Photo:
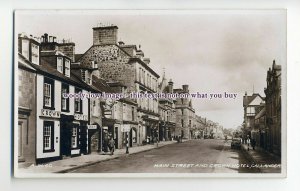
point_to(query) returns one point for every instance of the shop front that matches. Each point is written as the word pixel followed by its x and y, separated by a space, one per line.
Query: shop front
pixel 94 137
pixel 74 135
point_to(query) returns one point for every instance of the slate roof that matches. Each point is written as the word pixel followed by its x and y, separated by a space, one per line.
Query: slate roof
pixel 47 70
pixel 248 99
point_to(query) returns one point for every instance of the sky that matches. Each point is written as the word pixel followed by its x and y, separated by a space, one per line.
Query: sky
pixel 211 51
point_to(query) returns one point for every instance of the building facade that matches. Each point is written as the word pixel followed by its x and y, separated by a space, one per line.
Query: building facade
pixel 167 111
pixel 185 114
pixel 260 124
pixel 251 105
pixel 273 108
pixel 28 52
pixel 126 64
pixel 59 127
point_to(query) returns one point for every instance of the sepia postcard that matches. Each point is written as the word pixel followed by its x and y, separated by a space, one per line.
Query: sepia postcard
pixel 150 93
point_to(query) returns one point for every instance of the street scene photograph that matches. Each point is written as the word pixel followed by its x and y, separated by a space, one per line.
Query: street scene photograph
pixel 133 93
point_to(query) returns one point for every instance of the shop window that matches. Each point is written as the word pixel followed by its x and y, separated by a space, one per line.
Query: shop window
pixel 74 137
pixel 134 136
pixel 48 136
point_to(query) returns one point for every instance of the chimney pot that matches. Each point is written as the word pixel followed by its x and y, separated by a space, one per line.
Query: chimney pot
pixel 185 88
pixel 46 37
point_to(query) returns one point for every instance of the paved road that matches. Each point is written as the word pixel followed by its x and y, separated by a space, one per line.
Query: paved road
pixel 195 156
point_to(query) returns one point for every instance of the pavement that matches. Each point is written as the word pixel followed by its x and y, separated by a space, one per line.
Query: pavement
pixel 267 162
pixel 68 164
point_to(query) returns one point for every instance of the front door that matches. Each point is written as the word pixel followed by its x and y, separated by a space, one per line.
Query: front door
pixel 65 135
pixel 20 140
pixel 93 140
pixel 83 139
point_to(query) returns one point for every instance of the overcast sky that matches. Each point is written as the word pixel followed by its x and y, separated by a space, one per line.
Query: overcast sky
pixel 211 51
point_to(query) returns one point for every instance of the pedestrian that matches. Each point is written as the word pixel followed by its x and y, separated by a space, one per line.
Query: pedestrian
pixel 105 143
pixel 248 142
pixel 111 146
pixel 253 143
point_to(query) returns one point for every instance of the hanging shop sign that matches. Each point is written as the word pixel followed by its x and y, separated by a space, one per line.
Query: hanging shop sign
pixel 80 117
pixel 92 126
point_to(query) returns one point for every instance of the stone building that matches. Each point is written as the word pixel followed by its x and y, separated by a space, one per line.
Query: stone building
pixel 167 111
pixel 200 127
pixel 185 114
pixel 60 123
pixel 126 64
pixel 260 124
pixel 251 104
pixel 273 108
pixel 28 53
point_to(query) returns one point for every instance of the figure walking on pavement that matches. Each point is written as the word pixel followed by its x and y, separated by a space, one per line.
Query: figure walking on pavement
pixel 248 142
pixel 112 146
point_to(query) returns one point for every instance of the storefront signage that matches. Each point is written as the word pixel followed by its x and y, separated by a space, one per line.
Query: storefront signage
pixel 50 113
pixel 92 126
pixel 125 128
pixel 105 127
pixel 80 117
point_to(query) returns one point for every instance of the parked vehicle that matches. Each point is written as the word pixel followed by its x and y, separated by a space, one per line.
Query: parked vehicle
pixel 236 143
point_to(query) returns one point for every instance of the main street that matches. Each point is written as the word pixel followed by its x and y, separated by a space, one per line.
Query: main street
pixel 195 156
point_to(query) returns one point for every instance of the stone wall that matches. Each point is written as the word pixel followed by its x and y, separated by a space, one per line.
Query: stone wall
pixel 112 63
pixel 27 114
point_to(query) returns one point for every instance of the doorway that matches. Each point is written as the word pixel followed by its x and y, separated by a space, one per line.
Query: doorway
pixel 22 126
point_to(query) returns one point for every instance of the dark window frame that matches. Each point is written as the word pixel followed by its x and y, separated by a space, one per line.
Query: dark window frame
pixel 52 100
pixel 67 87
pixel 77 90
pixel 51 124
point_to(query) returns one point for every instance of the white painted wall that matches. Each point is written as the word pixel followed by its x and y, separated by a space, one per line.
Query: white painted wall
pixel 40 120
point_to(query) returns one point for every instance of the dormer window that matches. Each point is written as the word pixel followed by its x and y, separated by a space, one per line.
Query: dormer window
pixel 34 53
pixel 25 48
pixel 60 64
pixel 67 68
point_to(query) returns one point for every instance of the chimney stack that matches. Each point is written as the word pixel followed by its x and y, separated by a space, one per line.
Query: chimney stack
pixel 46 37
pixel 121 43
pixel 185 88
pixel 147 60
pixel 104 35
